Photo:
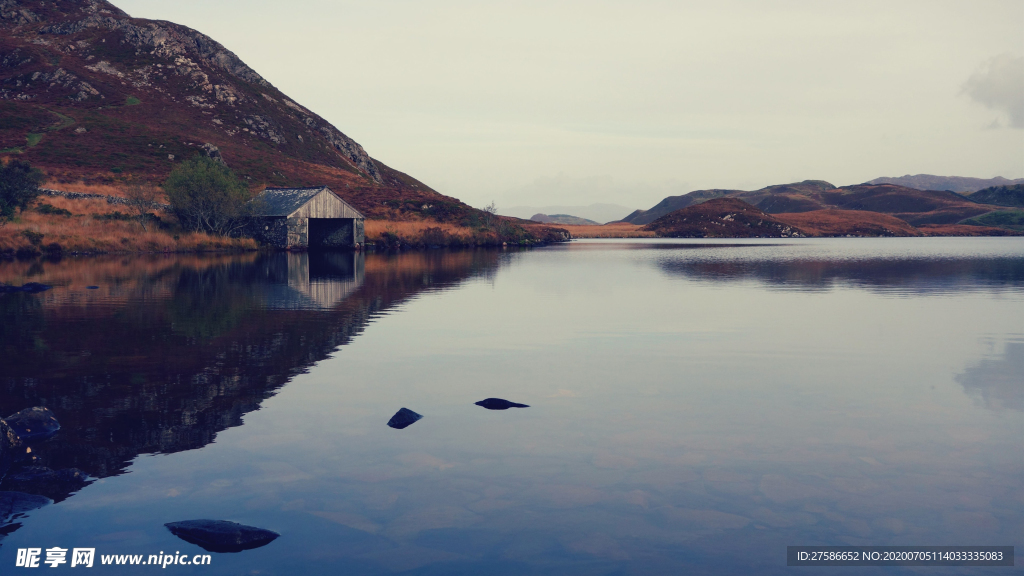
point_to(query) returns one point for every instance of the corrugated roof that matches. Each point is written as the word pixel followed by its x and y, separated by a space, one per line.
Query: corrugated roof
pixel 284 201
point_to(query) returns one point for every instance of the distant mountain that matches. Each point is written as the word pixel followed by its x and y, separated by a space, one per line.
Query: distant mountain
pixel 953 183
pixel 88 92
pixel 600 213
pixel 1001 195
pixel 910 205
pixel 563 219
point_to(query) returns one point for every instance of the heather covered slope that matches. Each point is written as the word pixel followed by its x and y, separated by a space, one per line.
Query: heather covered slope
pixel 848 223
pixel 87 92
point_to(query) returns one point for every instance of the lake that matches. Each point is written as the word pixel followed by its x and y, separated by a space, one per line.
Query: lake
pixel 694 406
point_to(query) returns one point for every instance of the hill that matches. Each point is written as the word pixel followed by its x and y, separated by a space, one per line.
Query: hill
pixel 913 206
pixel 90 94
pixel 721 218
pixel 1001 195
pixel 563 219
pixel 952 183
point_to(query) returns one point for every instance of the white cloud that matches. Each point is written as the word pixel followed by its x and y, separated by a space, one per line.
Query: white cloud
pixel 999 84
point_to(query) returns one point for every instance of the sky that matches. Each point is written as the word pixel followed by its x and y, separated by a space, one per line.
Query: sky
pixel 576 102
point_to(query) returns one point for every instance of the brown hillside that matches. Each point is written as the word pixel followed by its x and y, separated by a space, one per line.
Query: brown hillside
pixel 722 218
pixel 89 93
pixel 912 206
pixel 848 223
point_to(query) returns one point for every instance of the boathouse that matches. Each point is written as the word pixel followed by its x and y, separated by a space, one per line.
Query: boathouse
pixel 304 218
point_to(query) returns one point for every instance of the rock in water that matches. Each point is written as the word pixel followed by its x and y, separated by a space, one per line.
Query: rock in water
pixel 499 404
pixel 221 535
pixel 35 287
pixel 54 484
pixel 32 287
pixel 403 419
pixel 14 503
pixel 10 447
pixel 33 424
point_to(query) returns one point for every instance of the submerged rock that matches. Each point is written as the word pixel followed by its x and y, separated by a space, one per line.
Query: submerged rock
pixel 33 424
pixel 403 419
pixel 13 504
pixel 221 535
pixel 54 484
pixel 499 404
pixel 30 287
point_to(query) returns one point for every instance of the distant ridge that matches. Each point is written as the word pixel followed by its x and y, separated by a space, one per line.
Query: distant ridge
pixel 960 184
pixel 597 212
pixel 565 219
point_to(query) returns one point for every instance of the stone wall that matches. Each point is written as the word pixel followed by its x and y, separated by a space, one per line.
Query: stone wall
pixel 115 200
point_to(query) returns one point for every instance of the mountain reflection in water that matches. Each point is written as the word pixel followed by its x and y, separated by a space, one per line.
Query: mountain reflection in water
pixel 695 407
pixel 172 350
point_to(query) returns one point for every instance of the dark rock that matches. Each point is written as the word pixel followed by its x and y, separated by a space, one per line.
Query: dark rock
pixel 32 287
pixel 33 424
pixel 499 404
pixel 54 484
pixel 221 535
pixel 10 447
pixel 92 287
pixel 403 419
pixel 14 504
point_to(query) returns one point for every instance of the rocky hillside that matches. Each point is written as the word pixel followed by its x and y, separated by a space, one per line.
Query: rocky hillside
pixel 910 205
pixel 722 218
pixel 89 93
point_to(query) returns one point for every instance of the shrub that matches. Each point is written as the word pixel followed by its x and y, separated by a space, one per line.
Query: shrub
pixel 34 238
pixel 49 209
pixel 207 196
pixel 19 186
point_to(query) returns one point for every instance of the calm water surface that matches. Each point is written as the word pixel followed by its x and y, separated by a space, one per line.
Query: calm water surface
pixel 695 407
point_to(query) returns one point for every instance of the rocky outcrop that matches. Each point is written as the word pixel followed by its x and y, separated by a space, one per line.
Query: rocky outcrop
pixel 33 424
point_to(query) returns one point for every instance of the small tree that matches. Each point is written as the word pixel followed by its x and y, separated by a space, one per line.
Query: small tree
pixel 207 197
pixel 141 198
pixel 489 211
pixel 19 186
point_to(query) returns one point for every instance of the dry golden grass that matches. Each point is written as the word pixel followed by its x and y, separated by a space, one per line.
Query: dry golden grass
pixel 374 229
pixel 613 230
pixel 85 231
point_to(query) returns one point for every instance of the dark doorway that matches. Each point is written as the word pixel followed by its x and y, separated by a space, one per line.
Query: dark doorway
pixel 331 232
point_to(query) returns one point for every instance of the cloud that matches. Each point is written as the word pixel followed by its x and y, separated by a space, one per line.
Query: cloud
pixel 999 85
